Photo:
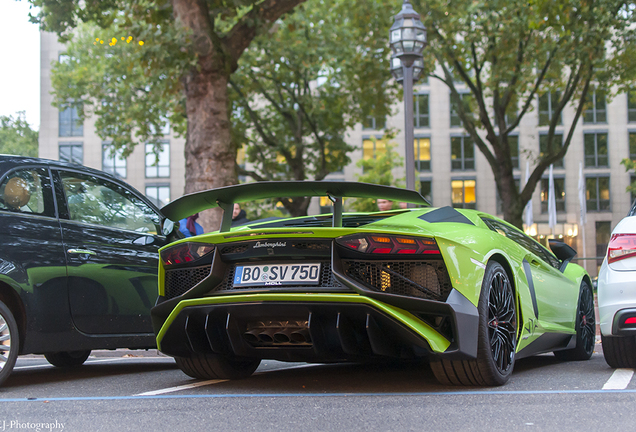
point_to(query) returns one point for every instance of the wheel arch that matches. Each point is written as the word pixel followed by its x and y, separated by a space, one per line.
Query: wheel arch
pixel 507 267
pixel 10 297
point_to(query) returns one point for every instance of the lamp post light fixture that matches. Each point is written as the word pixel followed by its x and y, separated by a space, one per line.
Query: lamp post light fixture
pixel 407 38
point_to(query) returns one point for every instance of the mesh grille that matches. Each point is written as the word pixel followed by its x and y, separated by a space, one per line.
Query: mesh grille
pixel 181 280
pixel 422 279
pixel 234 249
pixel 312 246
pixel 327 280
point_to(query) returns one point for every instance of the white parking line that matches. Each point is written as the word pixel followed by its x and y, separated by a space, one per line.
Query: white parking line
pixel 210 382
pixel 90 362
pixel 619 380
pixel 182 387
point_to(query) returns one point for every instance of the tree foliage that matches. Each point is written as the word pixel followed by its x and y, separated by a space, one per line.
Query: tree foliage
pixel 379 170
pixel 299 88
pixel 190 49
pixel 17 137
pixel 509 52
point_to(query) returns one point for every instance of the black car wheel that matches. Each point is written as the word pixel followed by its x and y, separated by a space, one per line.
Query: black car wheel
pixel 497 336
pixel 585 328
pixel 213 366
pixel 619 352
pixel 67 358
pixel 9 342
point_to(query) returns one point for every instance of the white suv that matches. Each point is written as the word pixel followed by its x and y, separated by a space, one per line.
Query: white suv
pixel 617 295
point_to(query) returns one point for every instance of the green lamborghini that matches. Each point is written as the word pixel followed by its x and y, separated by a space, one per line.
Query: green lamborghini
pixel 462 289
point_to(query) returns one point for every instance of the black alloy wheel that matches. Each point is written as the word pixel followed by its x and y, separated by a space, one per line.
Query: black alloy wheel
pixel 9 342
pixel 502 322
pixel 585 328
pixel 497 336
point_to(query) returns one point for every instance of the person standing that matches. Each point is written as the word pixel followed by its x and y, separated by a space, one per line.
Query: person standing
pixel 239 217
pixel 189 226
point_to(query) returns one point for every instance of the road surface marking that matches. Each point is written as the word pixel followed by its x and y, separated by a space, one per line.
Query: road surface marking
pixel 181 387
pixel 211 382
pixel 619 380
pixel 91 362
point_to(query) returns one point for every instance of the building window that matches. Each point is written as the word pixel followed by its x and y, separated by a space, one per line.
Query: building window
pixel 595 108
pixel 603 233
pixel 595 149
pixel 632 180
pixel 463 193
pixel 597 193
pixel 631 106
pixel 547 106
pixel 466 99
pixel 112 161
pixel 462 153
pixel 422 154
pixel 158 194
pixel 371 148
pixel 72 152
pixel 513 142
pixel 158 164
pixel 632 145
pixel 70 124
pixel 543 146
pixel 374 123
pixel 426 190
pixel 420 111
pixel 559 194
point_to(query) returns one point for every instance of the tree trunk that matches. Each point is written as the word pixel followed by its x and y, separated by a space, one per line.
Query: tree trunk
pixel 209 151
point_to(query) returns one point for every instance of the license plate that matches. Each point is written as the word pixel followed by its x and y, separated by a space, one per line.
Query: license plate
pixel 277 274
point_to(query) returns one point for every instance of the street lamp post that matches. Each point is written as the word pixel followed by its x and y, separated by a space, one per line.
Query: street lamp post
pixel 407 40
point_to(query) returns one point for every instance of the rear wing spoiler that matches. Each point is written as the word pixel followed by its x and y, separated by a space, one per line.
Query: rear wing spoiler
pixel 225 197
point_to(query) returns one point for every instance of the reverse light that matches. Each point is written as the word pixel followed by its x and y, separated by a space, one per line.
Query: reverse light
pixel 185 253
pixel 621 246
pixel 389 244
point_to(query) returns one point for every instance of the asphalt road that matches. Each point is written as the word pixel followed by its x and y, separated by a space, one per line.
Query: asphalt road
pixel 132 391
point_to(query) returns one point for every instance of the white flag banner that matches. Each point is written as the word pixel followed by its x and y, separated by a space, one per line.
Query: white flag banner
pixel 582 196
pixel 527 211
pixel 552 216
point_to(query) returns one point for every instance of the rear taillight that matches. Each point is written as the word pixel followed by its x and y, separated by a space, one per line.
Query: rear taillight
pixel 389 244
pixel 185 253
pixel 621 246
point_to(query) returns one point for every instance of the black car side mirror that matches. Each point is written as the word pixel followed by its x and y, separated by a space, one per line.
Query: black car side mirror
pixel 563 252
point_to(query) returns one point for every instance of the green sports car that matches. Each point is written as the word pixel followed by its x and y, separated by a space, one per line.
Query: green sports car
pixel 461 288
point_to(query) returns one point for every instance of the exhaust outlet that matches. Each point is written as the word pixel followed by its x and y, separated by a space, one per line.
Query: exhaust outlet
pixel 300 336
pixel 251 336
pixel 282 336
pixel 267 335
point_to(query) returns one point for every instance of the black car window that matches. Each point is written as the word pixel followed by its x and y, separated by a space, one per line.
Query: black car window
pixel 27 191
pixel 523 240
pixel 93 200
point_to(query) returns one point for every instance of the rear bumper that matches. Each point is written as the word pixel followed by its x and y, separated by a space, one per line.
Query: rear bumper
pixel 616 297
pixel 338 326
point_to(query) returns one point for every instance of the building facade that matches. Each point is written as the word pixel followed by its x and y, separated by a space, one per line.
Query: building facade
pixel 451 171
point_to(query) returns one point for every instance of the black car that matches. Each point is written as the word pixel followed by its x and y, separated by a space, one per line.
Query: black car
pixel 78 262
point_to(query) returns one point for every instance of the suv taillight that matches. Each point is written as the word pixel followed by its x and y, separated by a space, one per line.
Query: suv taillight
pixel 185 253
pixel 621 246
pixel 389 244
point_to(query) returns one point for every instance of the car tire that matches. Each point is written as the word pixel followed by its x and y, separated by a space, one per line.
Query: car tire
pixel 67 358
pixel 214 366
pixel 9 342
pixel 497 336
pixel 585 328
pixel 619 351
